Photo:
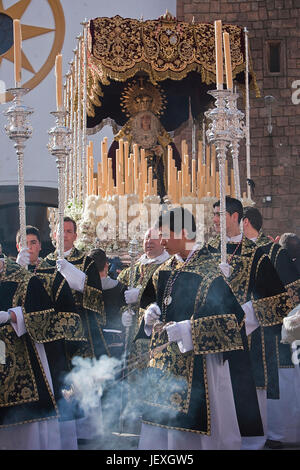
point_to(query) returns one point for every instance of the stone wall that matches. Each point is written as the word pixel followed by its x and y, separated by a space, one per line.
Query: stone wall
pixel 275 156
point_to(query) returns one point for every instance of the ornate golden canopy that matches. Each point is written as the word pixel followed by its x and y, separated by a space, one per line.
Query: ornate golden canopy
pixel 120 48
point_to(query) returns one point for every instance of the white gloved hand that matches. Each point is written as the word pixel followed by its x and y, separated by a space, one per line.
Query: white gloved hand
pixel 174 332
pixel 4 317
pixel 132 295
pixel 73 275
pixel 152 314
pixel 127 318
pixel 23 257
pixel 226 269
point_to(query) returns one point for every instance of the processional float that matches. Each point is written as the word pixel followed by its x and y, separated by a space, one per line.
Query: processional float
pixel 178 59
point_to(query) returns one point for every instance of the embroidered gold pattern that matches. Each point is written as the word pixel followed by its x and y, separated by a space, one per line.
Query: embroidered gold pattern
pixel 164 48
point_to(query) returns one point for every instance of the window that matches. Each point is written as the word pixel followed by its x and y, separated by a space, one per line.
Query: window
pixel 274 57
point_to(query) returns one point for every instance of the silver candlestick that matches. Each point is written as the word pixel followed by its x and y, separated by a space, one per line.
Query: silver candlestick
pixel 237 131
pixel 133 252
pixel 19 130
pixel 59 147
pixel 218 132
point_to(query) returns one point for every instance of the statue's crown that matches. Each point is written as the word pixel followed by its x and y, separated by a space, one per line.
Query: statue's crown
pixel 141 95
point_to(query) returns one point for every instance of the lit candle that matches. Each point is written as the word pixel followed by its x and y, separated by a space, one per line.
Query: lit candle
pixel 17 52
pixel 227 55
pixel 58 74
pixel 219 54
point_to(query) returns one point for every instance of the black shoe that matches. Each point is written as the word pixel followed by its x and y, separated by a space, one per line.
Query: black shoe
pixel 273 444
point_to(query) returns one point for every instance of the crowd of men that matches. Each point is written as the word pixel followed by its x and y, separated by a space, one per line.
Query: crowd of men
pixel 197 341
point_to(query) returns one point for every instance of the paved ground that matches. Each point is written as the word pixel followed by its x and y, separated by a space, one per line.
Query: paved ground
pixel 127 441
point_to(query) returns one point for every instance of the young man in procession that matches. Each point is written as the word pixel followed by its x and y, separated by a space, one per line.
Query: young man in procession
pixel 262 295
pixel 199 377
pixel 283 414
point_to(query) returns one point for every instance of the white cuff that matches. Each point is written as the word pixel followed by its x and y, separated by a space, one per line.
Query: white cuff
pixel 148 329
pixel 19 326
pixel 251 321
pixel 186 343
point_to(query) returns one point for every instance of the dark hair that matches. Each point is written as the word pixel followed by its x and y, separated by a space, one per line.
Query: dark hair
pixel 177 219
pixel 291 242
pixel 30 230
pixel 232 205
pixel 99 257
pixel 254 217
pixel 68 219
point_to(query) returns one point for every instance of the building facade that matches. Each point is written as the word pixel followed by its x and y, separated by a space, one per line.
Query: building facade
pixel 274 40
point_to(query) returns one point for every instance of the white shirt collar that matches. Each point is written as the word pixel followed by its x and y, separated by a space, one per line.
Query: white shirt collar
pixel 254 239
pixel 66 253
pixel 195 247
pixel 158 260
pixel 235 239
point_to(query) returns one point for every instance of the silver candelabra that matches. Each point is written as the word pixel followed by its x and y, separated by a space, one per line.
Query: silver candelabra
pixel 19 130
pixel 59 147
pixel 219 133
pixel 237 132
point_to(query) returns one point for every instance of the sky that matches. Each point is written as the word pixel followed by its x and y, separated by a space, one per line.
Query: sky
pixel 39 166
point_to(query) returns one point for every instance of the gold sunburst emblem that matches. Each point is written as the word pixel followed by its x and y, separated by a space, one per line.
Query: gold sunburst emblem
pixel 141 95
pixel 16 11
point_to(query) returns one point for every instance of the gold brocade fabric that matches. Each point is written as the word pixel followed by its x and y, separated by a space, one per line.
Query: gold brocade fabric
pixel 271 310
pixel 216 334
pixel 175 380
pixel 18 383
pixel 164 48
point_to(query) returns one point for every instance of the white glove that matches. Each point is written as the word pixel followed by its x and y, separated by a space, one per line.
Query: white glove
pixel 152 314
pixel 127 318
pixel 23 257
pixel 226 269
pixel 4 317
pixel 73 275
pixel 174 332
pixel 132 295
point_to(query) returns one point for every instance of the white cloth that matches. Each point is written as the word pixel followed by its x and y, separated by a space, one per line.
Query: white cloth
pixel 226 269
pixel 251 322
pixel 290 330
pixel 74 276
pixel 40 435
pixel 225 434
pixel 158 260
pixel 258 442
pixel 131 295
pixel 4 317
pixel 23 258
pixel 68 435
pixel 108 283
pixel 284 414
pixel 235 239
pixel 127 318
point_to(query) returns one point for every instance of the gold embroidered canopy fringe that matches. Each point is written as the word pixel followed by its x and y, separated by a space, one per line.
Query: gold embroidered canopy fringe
pixel 165 48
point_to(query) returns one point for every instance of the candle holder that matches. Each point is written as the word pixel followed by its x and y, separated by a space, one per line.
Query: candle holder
pixel 237 131
pixel 59 147
pixel 219 133
pixel 19 130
